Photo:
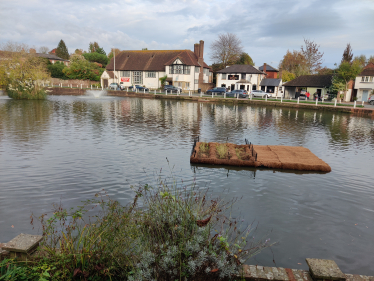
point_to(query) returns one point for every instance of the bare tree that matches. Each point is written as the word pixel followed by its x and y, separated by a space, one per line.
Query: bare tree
pixel 312 55
pixel 43 50
pixel 347 54
pixel 227 49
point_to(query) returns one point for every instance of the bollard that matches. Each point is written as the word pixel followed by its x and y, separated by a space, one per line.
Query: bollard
pixel 102 88
pixel 201 94
pixel 298 100
pixel 316 101
pixel 335 102
pixel 363 103
pixel 224 96
pixel 166 92
pixel 144 91
pixel 281 99
pixel 212 94
pixel 155 91
pixel 81 86
pixel 266 97
pixel 354 104
pixel 323 99
pixel 91 87
pixel 237 96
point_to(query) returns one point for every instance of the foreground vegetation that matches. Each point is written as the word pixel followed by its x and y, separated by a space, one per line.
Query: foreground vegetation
pixel 168 232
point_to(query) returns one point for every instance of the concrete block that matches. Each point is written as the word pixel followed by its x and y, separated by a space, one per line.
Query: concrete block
pixel 23 243
pixel 325 270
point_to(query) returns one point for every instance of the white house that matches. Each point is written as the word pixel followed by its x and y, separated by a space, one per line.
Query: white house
pixel 183 68
pixel 364 83
pixel 240 76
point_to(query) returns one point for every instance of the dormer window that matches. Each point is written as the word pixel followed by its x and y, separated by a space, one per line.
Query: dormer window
pixel 179 69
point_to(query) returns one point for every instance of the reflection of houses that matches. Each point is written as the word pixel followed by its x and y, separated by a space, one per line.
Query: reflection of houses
pixel 239 76
pixel 314 84
pixel 364 84
pixel 183 68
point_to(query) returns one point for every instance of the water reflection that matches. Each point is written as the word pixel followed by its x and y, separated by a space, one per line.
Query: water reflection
pixel 68 148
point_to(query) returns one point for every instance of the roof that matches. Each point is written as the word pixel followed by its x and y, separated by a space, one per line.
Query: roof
pixel 111 74
pixel 268 68
pixel 271 82
pixel 243 81
pixel 311 81
pixel 50 56
pixel 368 70
pixel 241 68
pixel 152 60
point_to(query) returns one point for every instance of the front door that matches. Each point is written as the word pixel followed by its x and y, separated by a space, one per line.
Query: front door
pixel 365 94
pixel 232 87
pixel 105 82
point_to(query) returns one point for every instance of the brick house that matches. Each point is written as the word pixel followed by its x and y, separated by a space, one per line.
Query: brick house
pixel 53 58
pixel 270 71
pixel 183 68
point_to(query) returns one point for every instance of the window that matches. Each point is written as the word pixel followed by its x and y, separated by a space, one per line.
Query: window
pixel 137 77
pixel 223 76
pixel 197 69
pixel 371 78
pixel 367 79
pixel 362 79
pixel 151 74
pixel 196 81
pixel 243 76
pixel 187 85
pixel 180 69
pixel 254 87
pixel 125 73
pixel 206 71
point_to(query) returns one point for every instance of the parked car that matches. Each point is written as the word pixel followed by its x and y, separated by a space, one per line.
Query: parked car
pixel 371 100
pixel 171 88
pixel 259 93
pixel 113 86
pixel 242 94
pixel 138 88
pixel 217 90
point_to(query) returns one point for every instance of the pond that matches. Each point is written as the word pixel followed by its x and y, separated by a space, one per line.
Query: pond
pixel 68 148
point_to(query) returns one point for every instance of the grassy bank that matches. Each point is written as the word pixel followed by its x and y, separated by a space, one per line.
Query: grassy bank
pixel 168 232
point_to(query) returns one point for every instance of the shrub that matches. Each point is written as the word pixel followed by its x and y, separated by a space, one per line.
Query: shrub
pixel 222 150
pixel 204 148
pixel 26 90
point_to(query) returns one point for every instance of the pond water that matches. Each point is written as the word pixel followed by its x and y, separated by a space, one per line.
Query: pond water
pixel 68 148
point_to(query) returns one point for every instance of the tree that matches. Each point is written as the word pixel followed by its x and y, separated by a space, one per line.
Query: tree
pixel 245 59
pixel 371 59
pixel 82 69
pixel 101 51
pixel 96 57
pixel 347 72
pixel 79 51
pixel 312 56
pixel 62 50
pixel 287 76
pixel 21 72
pixel 116 52
pixel 226 49
pixel 325 71
pixel 361 60
pixel 57 70
pixel 347 54
pixel 43 50
pixel 92 47
pixel 295 63
pixel 163 80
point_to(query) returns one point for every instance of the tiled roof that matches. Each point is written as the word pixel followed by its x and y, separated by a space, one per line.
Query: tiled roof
pixel 241 68
pixel 270 82
pixel 368 70
pixel 50 56
pixel 152 60
pixel 268 68
pixel 311 81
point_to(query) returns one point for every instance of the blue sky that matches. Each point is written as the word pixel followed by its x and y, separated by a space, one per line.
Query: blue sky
pixel 267 29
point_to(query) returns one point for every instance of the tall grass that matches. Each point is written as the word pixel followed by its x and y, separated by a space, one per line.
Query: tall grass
pixel 222 150
pixel 169 232
pixel 204 148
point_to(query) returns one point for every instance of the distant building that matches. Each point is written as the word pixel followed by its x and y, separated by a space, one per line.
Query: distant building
pixel 183 68
pixel 272 86
pixel 239 76
pixel 53 58
pixel 364 83
pixel 314 84
pixel 270 71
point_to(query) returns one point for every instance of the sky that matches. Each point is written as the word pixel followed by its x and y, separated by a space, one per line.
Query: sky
pixel 267 29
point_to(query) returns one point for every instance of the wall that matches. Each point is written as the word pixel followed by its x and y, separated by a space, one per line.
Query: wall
pixel 75 82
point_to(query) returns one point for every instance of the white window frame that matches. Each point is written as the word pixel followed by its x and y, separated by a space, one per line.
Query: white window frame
pixel 371 79
pixel 126 73
pixel 196 81
pixel 197 69
pixel 150 74
pixel 367 79
pixel 137 77
pixel 224 76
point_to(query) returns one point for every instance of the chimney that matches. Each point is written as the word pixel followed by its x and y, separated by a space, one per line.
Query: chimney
pixel 32 51
pixel 280 73
pixel 264 70
pixel 196 49
pixel 201 49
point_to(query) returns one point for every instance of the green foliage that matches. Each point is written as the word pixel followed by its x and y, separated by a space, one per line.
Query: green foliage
pixel 347 54
pixel 295 63
pixel 204 148
pixel 245 59
pixel 82 69
pixel 168 232
pixel 163 80
pixel 115 51
pixel 96 57
pixel 95 48
pixel 101 51
pixel 337 85
pixel 27 90
pixel 287 76
pixel 56 70
pixel 347 72
pixel 62 50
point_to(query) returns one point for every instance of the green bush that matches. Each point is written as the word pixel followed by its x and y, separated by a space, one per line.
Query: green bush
pixel 26 90
pixel 96 57
pixel 56 70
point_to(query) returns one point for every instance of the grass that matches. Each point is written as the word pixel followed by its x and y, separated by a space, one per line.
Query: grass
pixel 239 151
pixel 222 150
pixel 204 148
pixel 168 232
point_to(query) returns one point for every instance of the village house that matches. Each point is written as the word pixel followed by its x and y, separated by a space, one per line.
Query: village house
pixel 271 84
pixel 183 68
pixel 239 76
pixel 364 83
pixel 314 84
pixel 270 71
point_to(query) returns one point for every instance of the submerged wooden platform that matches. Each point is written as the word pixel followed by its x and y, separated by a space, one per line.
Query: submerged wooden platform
pixel 268 156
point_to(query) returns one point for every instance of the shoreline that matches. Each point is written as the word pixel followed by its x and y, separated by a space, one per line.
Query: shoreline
pixel 362 112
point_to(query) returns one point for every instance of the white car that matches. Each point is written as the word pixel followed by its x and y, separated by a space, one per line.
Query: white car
pixel 259 93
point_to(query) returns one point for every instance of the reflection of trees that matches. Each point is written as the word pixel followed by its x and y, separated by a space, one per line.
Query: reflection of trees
pixel 25 121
